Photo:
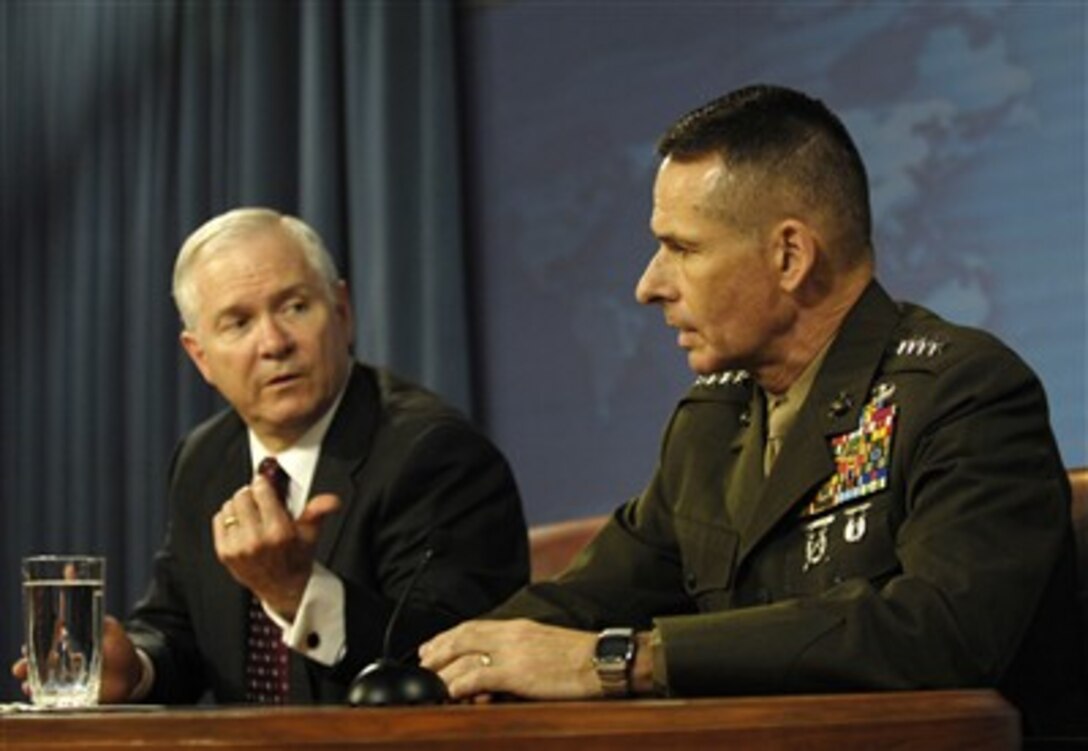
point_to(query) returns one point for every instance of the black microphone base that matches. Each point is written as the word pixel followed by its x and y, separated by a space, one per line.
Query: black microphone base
pixel 389 684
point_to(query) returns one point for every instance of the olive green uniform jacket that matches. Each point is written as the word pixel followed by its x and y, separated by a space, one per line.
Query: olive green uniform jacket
pixel 935 550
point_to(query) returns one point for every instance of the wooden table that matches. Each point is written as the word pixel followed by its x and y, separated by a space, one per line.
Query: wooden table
pixel 957 720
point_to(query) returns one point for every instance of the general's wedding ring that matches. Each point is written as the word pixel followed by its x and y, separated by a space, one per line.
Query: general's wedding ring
pixel 485 660
pixel 229 521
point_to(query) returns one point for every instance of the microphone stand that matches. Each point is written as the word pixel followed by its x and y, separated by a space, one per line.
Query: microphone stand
pixel 389 682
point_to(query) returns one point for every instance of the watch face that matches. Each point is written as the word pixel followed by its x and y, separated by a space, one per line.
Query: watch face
pixel 612 647
pixel 613 657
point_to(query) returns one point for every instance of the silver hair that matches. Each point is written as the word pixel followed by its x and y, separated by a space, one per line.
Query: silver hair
pixel 226 229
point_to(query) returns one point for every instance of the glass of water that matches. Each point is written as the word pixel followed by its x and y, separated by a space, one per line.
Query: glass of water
pixel 62 608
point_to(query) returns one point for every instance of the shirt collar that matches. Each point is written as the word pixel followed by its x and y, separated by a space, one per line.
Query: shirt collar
pixel 786 406
pixel 300 460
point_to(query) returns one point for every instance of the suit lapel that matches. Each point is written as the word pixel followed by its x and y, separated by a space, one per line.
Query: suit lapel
pixel 833 407
pixel 227 600
pixel 745 483
pixel 345 447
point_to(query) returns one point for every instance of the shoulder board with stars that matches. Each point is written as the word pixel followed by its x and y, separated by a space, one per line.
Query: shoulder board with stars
pixel 919 346
pixel 724 378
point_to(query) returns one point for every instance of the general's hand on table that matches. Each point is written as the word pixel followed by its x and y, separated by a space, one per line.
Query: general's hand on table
pixel 520 657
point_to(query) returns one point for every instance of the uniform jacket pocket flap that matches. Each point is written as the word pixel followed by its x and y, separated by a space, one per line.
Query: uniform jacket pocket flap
pixel 709 553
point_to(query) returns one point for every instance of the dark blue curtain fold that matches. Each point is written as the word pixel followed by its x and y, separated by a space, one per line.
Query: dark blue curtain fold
pixel 127 124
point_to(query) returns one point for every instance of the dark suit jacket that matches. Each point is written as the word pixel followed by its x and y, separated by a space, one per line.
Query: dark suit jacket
pixel 957 572
pixel 412 474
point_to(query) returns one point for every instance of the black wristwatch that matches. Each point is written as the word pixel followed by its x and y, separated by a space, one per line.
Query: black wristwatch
pixel 613 659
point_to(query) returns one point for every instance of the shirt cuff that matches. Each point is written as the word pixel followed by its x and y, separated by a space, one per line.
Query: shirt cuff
pixel 318 629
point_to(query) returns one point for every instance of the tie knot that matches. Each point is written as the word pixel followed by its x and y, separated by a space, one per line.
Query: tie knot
pixel 271 470
pixel 776 417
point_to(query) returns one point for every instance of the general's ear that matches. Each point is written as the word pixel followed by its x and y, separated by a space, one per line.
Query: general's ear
pixel 191 344
pixel 796 248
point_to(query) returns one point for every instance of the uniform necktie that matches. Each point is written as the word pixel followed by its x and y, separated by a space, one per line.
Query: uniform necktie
pixel 776 431
pixel 267 673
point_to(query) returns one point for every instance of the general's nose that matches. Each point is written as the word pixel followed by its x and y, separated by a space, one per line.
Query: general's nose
pixel 653 285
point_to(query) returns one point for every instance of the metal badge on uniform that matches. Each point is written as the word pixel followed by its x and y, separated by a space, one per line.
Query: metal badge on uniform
pixel 862 456
pixel 882 392
pixel 856 522
pixel 816 542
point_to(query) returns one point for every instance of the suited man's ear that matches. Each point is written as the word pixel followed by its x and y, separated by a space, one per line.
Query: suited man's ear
pixel 191 344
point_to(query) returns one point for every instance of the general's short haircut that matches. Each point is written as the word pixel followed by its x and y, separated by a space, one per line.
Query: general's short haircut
pixel 226 229
pixel 789 138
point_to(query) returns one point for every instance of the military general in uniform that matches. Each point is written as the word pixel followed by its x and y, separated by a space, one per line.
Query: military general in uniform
pixel 855 495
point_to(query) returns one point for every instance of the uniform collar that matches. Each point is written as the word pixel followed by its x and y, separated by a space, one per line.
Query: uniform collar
pixel 833 407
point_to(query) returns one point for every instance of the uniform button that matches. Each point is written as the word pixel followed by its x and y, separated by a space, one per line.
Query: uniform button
pixel 690 580
pixel 313 640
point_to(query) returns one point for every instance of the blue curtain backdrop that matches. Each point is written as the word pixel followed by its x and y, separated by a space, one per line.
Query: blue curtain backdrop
pixel 126 125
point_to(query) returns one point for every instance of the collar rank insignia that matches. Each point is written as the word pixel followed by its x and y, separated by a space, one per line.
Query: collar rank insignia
pixel 862 456
pixel 920 346
pixel 724 378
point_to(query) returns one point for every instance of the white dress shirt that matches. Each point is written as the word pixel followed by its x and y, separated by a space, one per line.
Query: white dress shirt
pixel 318 630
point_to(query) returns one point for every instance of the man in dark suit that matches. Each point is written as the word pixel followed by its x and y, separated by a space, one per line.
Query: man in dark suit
pixel 277 585
pixel 855 495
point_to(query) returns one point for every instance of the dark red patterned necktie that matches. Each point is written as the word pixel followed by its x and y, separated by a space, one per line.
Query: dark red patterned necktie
pixel 267 674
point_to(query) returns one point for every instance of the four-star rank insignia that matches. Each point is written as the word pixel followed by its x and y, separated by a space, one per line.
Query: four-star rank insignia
pixel 862 456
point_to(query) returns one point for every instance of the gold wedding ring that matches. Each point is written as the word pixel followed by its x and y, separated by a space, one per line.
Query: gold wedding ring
pixel 229 521
pixel 485 660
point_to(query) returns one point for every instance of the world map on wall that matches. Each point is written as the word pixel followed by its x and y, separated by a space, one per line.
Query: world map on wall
pixel 970 117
